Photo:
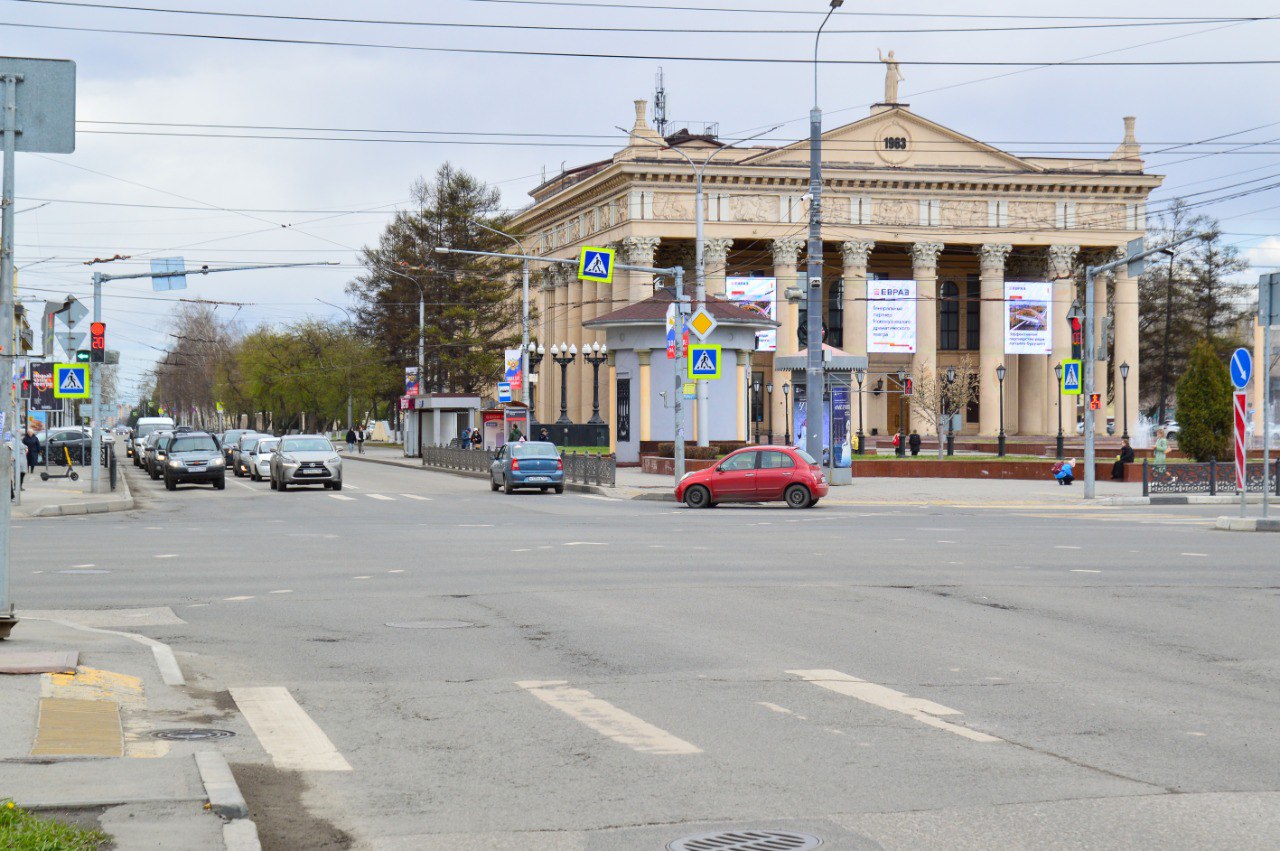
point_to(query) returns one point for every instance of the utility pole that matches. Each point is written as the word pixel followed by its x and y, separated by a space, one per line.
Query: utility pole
pixel 10 82
pixel 524 315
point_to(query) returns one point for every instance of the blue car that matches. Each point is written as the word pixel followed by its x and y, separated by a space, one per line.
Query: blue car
pixel 527 465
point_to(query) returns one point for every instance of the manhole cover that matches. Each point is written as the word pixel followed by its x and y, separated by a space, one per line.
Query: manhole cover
pixel 438 624
pixel 82 571
pixel 191 734
pixel 746 840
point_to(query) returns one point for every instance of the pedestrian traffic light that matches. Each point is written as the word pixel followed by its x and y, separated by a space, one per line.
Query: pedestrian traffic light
pixel 909 387
pixel 26 388
pixel 1095 401
pixel 97 342
pixel 82 355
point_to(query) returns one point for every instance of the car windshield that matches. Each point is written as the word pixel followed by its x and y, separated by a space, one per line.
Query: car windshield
pixel 306 444
pixel 265 446
pixel 151 428
pixel 534 450
pixel 247 443
pixel 201 443
pixel 805 456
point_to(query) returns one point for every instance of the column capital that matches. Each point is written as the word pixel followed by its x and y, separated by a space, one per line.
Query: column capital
pixel 786 250
pixel 643 356
pixel 993 256
pixel 924 256
pixel 744 357
pixel 716 249
pixel 639 250
pixel 1062 260
pixel 856 251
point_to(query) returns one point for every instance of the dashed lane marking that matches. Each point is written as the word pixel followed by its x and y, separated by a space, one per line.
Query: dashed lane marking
pixel 381 496
pixel 246 487
pixel 340 496
pixel 362 577
pixel 1083 570
pixel 167 555
pixel 282 591
pixel 415 496
pixel 587 544
pixel 1197 555
pixel 236 599
pixel 286 731
pixel 924 711
pixel 395 571
pixel 607 719
pixel 1065 547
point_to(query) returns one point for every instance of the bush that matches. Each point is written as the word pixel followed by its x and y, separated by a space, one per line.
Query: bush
pixel 1204 406
pixel 692 451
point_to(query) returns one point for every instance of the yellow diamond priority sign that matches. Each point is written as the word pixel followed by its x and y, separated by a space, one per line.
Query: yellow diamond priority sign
pixel 702 323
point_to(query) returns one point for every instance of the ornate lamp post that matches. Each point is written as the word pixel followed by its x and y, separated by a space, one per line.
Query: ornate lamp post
pixel 535 355
pixel 1124 380
pixel 1057 370
pixel 595 354
pixel 564 354
pixel 860 373
pixel 951 416
pixel 755 402
pixel 901 451
pixel 768 389
pixel 1000 372
pixel 786 409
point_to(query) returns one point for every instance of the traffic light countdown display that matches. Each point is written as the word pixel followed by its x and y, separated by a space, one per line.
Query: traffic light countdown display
pixel 98 342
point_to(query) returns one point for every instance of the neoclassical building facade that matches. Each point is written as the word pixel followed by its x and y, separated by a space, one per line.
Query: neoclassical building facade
pixel 905 199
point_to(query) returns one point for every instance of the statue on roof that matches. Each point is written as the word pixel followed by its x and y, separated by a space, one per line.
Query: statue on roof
pixel 892 76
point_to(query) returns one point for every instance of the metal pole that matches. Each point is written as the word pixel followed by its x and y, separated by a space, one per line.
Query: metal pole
pixel 1090 483
pixel 1000 440
pixel 681 369
pixel 524 334
pixel 95 396
pixel 861 437
pixel 1265 366
pixel 1124 381
pixel 1060 447
pixel 422 343
pixel 813 331
pixel 7 619
pixel 703 412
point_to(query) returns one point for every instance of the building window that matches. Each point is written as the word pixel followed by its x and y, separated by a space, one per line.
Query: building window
pixel 973 314
pixel 624 410
pixel 948 317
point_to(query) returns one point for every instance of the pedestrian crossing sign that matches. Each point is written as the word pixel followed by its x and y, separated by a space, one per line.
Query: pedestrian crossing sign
pixel 1071 383
pixel 71 381
pixel 704 362
pixel 596 264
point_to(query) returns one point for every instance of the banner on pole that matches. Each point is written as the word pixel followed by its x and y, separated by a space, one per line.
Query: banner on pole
pixel 1028 318
pixel 513 374
pixel 42 398
pixel 891 317
pixel 759 295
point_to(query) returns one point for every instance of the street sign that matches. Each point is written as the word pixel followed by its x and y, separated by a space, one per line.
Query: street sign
pixel 690 390
pixel 46 101
pixel 702 323
pixel 75 311
pixel 1071 378
pixel 596 264
pixel 163 265
pixel 1269 299
pixel 1241 368
pixel 1240 404
pixel 1095 401
pixel 704 361
pixel 504 391
pixel 70 381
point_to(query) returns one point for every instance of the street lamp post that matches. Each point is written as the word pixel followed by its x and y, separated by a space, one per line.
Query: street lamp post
pixel 534 353
pixel 860 373
pixel 1000 373
pixel 525 395
pixel 1057 370
pixel 786 410
pixel 595 354
pixel 951 416
pixel 1124 381
pixel 901 451
pixel 755 404
pixel 564 354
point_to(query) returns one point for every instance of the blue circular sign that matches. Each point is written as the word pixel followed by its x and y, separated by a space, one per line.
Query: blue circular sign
pixel 1241 368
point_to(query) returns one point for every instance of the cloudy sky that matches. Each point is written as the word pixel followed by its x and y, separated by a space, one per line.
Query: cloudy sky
pixel 172 104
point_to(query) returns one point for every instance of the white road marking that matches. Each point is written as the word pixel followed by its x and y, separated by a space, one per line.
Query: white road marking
pixel 475 525
pixel 946 542
pixel 1066 548
pixel 921 710
pixel 286 731
pixel 586 544
pixel 607 719
pixel 524 550
pixel 340 496
pixel 587 496
pixel 362 577
pixel 94 565
pixel 781 710
pixel 197 605
pixel 37 571
pixel 381 496
pixel 1197 555
pixel 415 496
pixel 154 528
pixel 353 487
pixel 282 591
pixel 236 599
pixel 243 485
pixel 395 571
pixel 167 555
pixel 1082 570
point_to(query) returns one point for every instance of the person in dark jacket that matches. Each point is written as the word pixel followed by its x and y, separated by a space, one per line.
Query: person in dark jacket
pixel 913 442
pixel 351 440
pixel 30 441
pixel 1125 457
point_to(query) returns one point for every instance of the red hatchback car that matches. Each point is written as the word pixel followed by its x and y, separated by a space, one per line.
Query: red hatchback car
pixel 756 474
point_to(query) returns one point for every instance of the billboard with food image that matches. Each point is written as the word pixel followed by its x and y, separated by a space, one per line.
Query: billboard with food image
pixel 1028 328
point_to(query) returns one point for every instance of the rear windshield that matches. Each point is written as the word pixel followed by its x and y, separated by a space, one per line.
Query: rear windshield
pixel 265 446
pixel 306 444
pixel 805 456
pixel 194 444
pixel 247 443
pixel 534 450
pixel 150 428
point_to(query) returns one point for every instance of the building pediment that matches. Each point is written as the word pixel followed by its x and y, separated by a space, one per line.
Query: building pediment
pixel 894 137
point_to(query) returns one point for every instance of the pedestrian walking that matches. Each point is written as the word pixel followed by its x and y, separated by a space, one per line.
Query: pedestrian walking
pixel 351 440
pixel 1125 457
pixel 1064 471
pixel 913 441
pixel 896 441
pixel 1162 446
pixel 360 437
pixel 32 443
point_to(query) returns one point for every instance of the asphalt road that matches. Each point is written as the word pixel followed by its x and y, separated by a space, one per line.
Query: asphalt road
pixel 634 672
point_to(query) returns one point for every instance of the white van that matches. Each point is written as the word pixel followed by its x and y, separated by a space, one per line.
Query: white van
pixel 146 425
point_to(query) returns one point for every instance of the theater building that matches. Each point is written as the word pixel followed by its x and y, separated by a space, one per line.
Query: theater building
pixel 937 249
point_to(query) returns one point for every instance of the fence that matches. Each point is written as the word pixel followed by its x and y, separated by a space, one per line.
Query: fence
pixel 580 467
pixel 1211 478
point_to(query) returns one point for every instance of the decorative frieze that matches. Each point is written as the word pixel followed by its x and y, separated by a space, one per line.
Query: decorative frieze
pixel 753 208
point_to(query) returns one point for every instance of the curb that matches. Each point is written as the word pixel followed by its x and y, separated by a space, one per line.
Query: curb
pixel 471 474
pixel 241 835
pixel 1188 499
pixel 220 786
pixel 100 506
pixel 1248 524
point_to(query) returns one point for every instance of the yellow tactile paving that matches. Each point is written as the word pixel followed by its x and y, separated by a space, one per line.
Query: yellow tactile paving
pixel 69 727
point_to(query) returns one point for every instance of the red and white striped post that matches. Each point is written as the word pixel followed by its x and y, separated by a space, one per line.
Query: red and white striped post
pixel 1240 406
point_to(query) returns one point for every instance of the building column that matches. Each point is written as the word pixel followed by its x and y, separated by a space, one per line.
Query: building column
pixel 924 261
pixel 991 321
pixel 611 400
pixel 715 255
pixel 856 254
pixel 642 403
pixel 1125 305
pixel 786 253
pixel 742 375
pixel 1061 262
pixel 638 251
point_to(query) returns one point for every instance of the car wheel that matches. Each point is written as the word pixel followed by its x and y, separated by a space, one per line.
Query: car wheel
pixel 493 484
pixel 797 496
pixel 697 497
pixel 220 484
pixel 44 477
pixel 337 486
pixel 169 483
pixel 559 488
pixel 153 473
pixel 281 486
pixel 813 502
pixel 542 490
pixel 253 474
pixel 506 486
pixel 239 475
pixel 273 482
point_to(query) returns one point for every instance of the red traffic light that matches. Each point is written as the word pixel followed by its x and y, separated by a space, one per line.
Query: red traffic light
pixel 98 342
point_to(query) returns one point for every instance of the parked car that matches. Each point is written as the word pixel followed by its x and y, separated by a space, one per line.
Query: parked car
pixel 60 442
pixel 240 452
pixel 532 464
pixel 44 437
pixel 145 426
pixel 305 459
pixel 153 453
pixel 194 456
pixel 230 438
pixel 260 458
pixel 756 474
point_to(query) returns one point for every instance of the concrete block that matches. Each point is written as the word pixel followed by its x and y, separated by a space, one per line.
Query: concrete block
pixel 241 835
pixel 220 786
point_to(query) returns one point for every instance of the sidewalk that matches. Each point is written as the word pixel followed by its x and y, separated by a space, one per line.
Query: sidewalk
pixel 80 741
pixel 61 497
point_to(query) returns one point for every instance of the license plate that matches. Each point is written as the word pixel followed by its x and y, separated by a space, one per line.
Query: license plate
pixel 537 479
pixel 310 472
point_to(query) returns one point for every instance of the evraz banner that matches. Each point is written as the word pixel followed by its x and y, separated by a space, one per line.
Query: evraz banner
pixel 512 373
pixel 1028 326
pixel 758 295
pixel 891 317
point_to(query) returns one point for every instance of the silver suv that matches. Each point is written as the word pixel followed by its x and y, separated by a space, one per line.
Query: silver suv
pixel 305 459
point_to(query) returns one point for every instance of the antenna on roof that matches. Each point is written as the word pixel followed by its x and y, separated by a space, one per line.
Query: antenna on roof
pixel 660 106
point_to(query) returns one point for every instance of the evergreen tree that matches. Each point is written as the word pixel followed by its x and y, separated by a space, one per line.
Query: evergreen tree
pixel 1204 406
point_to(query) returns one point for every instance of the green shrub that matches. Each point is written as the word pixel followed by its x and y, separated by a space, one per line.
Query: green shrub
pixel 23 831
pixel 692 451
pixel 1204 406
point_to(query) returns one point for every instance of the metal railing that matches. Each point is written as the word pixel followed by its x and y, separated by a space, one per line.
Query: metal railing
pixel 453 458
pixel 1209 478
pixel 579 467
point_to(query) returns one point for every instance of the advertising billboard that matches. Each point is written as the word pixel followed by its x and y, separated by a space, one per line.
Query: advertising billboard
pixel 891 317
pixel 1028 326
pixel 759 295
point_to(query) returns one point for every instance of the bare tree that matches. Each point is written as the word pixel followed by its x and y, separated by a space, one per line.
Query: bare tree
pixel 935 397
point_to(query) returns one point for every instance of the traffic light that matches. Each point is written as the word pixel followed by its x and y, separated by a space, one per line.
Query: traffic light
pixel 909 388
pixel 26 389
pixel 1095 401
pixel 98 342
pixel 82 355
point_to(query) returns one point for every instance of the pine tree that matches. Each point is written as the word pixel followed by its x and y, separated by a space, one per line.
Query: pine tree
pixel 1204 406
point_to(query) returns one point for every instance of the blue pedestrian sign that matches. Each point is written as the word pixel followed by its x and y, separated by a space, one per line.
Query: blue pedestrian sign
pixel 704 362
pixel 70 381
pixel 1241 368
pixel 1071 383
pixel 504 391
pixel 596 264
